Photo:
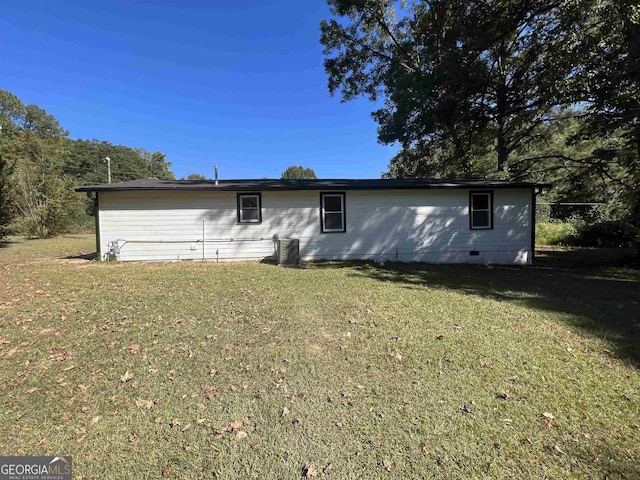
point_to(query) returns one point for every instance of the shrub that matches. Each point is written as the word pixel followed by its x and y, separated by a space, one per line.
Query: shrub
pixel 609 234
pixel 557 233
pixel 543 212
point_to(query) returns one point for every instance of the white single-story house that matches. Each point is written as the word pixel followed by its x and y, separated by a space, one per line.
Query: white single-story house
pixel 422 220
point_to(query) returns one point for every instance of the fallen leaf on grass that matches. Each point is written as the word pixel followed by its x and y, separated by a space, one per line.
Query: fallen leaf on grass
pixel 235 425
pixel 145 404
pixel 167 471
pixel 309 471
pixel 11 352
pixel 133 348
pixel 425 448
pixel 285 412
pixel 60 357
pixel 578 433
pixel 558 449
pixel 386 464
pixel 126 377
pixel 79 435
pixel 240 435
pixel 252 443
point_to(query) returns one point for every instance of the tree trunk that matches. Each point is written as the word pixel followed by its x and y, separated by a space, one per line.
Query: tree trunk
pixel 501 113
pixel 503 154
pixel 502 147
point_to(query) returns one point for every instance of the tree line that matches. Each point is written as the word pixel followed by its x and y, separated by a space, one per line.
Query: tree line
pixel 539 90
pixel 40 166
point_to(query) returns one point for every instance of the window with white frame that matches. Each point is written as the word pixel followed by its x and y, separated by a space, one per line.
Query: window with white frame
pixel 481 210
pixel 249 208
pixel 332 213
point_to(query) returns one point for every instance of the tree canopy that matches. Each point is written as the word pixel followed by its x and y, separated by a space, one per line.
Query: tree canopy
pixel 196 176
pixel 297 172
pixel 526 89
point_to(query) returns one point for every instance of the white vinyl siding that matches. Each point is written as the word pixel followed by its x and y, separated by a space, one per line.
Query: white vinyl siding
pixel 428 225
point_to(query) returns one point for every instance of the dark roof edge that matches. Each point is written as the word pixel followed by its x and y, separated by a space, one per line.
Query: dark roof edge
pixel 274 185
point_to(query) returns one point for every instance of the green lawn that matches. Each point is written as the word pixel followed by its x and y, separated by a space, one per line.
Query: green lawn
pixel 191 370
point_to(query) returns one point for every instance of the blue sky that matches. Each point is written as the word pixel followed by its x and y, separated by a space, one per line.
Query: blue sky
pixel 235 83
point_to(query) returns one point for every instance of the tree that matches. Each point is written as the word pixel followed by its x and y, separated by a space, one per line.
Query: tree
pixel 608 82
pixel 592 152
pixel 11 109
pixel 465 78
pixel 196 177
pixel 40 194
pixel 158 166
pixel 298 173
pixel 84 159
pixel 30 139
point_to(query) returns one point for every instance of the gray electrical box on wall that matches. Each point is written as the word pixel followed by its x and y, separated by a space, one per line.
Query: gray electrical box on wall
pixel 289 252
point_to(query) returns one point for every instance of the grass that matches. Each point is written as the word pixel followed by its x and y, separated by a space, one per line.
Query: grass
pixel 190 370
pixel 21 249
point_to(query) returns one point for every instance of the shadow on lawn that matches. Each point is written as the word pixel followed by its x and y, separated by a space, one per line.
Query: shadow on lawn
pixel 599 289
pixel 6 243
pixel 83 256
